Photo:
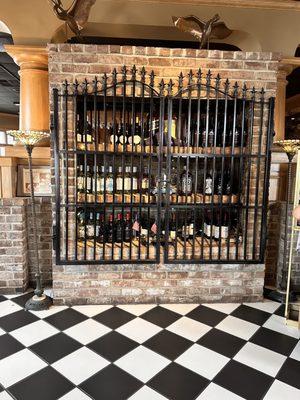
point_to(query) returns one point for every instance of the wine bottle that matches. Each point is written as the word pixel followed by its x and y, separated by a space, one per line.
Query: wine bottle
pixel 186 182
pixel 127 228
pixel 172 226
pixel 145 184
pixel 90 229
pixel 81 225
pixel 80 179
pixel 89 180
pixel 109 182
pixel 119 181
pixel 208 183
pixel 110 231
pixel 208 224
pixel 119 229
pixel 134 180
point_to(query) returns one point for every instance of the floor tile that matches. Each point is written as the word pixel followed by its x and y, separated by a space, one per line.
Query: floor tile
pixel 161 316
pixel 145 393
pixel 264 360
pixel 216 392
pixel 87 331
pixel 33 333
pixel 16 320
pixel 207 315
pixel 136 309
pixel 275 341
pixel 112 383
pixel 222 342
pixel 296 352
pixel 178 383
pixel 290 373
pixel 2 332
pixel 113 346
pixel 182 309
pixel 92 310
pixel 211 362
pixel 18 366
pixel 142 363
pixel 189 328
pixel 238 327
pixel 8 307
pixel 244 381
pixel 226 308
pixel 8 346
pixel 80 365
pixel 65 319
pixel 251 314
pixel 168 344
pixel 280 390
pixel 114 317
pixel 47 384
pixel 22 299
pixel 280 310
pixel 139 330
pixel 75 394
pixel 5 396
pixel 46 313
pixel 267 305
pixel 55 347
pixel 2 298
pixel 277 324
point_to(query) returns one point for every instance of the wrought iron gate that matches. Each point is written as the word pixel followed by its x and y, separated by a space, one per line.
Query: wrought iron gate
pixel 145 171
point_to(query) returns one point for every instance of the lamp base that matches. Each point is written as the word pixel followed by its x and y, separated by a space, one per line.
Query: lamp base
pixel 38 303
pixel 279 296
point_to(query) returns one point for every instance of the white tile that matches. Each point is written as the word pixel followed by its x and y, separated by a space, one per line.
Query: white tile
pixel 296 352
pixel 189 328
pixel 75 394
pixel 8 307
pixel 238 327
pixel 226 308
pixel 49 292
pixel 91 310
pixel 2 332
pixel 280 391
pixel 80 365
pixel 18 366
pixel 277 323
pixel 260 358
pixel 46 313
pixel 137 309
pixel 34 332
pixel 5 396
pixel 139 330
pixel 87 331
pixel 147 394
pixel 142 363
pixel 216 392
pixel 268 306
pixel 203 361
pixel 182 309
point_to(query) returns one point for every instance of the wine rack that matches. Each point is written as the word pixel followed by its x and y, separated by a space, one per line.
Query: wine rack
pixel 149 172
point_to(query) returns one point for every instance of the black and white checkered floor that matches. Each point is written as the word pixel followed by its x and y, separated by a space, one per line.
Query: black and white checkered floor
pixel 148 352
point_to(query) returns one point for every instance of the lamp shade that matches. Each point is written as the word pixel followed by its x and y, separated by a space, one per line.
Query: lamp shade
pixel 28 138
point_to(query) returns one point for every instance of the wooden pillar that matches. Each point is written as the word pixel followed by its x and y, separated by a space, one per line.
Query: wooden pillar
pixel 283 71
pixel 34 86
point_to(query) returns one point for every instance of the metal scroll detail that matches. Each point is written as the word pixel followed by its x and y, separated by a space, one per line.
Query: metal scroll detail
pixel 149 171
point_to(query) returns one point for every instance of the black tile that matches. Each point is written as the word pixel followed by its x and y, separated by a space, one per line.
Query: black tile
pixel 280 310
pixel 114 317
pixel 21 300
pixel 222 342
pixel 112 383
pixel 66 318
pixel 2 298
pixel 113 346
pixel 207 315
pixel 244 381
pixel 275 341
pixel 251 314
pixel 178 383
pixel 9 346
pixel 168 344
pixel 16 320
pixel 47 384
pixel 55 347
pixel 161 316
pixel 290 373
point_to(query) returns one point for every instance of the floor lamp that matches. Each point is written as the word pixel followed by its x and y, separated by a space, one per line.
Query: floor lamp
pixel 290 147
pixel 39 301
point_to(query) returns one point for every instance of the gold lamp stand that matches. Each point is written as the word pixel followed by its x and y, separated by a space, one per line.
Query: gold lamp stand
pixel 29 139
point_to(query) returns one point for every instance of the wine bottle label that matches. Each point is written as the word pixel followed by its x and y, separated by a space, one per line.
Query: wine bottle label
pixel 145 183
pixel 136 139
pixel 88 137
pixel 90 230
pixel 79 138
pixel 217 233
pixel 88 183
pixel 173 128
pixel 101 184
pixel 191 229
pixel 186 184
pixel 119 183
pixel 185 230
pixel 80 182
pixel 109 184
pixel 144 231
pixel 208 186
pixel 172 234
pixel 134 184
pixel 207 229
pixel 127 183
pixel 224 232
pixel 155 125
pixel 81 232
pixel 113 138
pixel 122 139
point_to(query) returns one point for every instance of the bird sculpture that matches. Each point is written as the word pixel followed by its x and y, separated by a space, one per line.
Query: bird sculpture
pixel 203 31
pixel 76 16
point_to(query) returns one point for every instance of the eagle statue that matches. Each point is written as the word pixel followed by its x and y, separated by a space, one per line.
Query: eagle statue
pixel 203 31
pixel 75 16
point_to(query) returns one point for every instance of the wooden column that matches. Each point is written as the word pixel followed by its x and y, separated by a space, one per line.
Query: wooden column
pixel 34 86
pixel 283 71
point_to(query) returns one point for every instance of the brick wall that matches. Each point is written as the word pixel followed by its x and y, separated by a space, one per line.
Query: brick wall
pixel 160 283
